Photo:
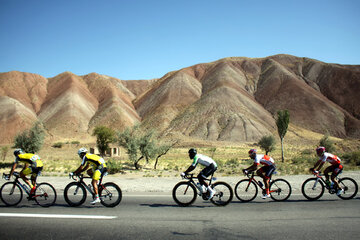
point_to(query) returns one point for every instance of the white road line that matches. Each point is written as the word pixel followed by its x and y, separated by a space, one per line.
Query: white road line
pixel 30 215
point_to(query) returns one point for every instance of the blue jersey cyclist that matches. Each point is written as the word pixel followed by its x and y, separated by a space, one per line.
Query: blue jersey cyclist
pixel 32 165
pixel 98 169
pixel 210 168
pixel 264 172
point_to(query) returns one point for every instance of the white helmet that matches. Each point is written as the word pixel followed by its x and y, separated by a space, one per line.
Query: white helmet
pixel 82 150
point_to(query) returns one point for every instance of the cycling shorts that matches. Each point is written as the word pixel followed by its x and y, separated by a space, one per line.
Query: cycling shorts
pixel 335 169
pixel 98 173
pixel 208 171
pixel 35 171
pixel 268 170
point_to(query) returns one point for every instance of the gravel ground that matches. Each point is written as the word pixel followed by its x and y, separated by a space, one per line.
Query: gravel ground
pixel 165 184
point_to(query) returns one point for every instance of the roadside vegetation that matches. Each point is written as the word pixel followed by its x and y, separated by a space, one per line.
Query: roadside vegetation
pixel 231 159
pixel 148 155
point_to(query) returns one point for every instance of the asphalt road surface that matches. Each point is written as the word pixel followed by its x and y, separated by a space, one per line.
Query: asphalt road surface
pixel 156 216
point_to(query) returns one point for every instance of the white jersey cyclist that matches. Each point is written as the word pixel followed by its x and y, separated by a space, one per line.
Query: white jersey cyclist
pixel 330 158
pixel 264 160
pixel 203 160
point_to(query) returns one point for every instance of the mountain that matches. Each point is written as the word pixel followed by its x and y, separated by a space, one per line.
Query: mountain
pixel 232 99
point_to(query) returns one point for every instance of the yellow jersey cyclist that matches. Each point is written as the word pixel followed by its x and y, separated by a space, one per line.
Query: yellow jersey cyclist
pixel 98 169
pixel 32 165
pixel 210 168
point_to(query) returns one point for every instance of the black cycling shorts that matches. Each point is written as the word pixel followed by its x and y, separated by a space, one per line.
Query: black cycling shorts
pixel 208 171
pixel 268 170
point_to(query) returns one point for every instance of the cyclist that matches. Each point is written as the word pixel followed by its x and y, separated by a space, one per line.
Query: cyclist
pixel 33 165
pixel 210 168
pixel 264 172
pixel 98 169
pixel 335 167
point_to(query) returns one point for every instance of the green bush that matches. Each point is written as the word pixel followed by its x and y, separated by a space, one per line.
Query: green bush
pixel 114 166
pixel 352 158
pixel 57 145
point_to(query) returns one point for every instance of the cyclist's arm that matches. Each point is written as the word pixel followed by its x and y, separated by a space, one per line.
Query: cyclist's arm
pixel 81 168
pixel 189 169
pixel 12 169
pixel 318 165
pixel 252 167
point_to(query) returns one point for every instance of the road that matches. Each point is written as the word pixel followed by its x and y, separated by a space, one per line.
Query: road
pixel 155 216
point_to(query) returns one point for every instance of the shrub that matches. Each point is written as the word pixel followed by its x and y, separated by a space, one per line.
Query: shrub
pixel 114 166
pixel 352 158
pixel 327 143
pixel 31 140
pixel 57 145
pixel 267 143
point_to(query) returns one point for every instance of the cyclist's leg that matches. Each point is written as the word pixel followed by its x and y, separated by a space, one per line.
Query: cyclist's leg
pixel 26 171
pixel 327 171
pixel 334 174
pixel 95 178
pixel 206 172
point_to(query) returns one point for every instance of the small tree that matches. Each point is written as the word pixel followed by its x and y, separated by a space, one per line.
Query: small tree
pixel 104 136
pixel 327 143
pixel 128 140
pixel 162 150
pixel 267 143
pixel 147 146
pixel 31 140
pixel 282 124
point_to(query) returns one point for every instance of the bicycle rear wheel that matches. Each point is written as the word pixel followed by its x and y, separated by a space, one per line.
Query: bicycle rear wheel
pixel 223 194
pixel 312 189
pixel 280 190
pixel 110 194
pixel 45 195
pixel 184 194
pixel 11 194
pixel 246 190
pixel 350 188
pixel 75 194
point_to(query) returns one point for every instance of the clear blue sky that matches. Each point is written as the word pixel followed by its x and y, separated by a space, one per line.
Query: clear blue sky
pixel 138 39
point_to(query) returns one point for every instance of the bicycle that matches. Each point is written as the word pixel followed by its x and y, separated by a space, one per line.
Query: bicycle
pixel 11 193
pixel 313 188
pixel 185 192
pixel 75 192
pixel 246 190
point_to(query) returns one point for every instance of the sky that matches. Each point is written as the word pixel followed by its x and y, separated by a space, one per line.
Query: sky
pixel 139 39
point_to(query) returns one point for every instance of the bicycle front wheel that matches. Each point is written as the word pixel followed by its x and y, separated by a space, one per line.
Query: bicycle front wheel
pixel 280 190
pixel 350 188
pixel 45 195
pixel 312 189
pixel 110 194
pixel 11 194
pixel 75 194
pixel 246 190
pixel 223 194
pixel 184 194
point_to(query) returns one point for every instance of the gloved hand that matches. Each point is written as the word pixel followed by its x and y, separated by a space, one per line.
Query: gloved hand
pixel 71 174
pixel 7 177
pixel 182 175
pixel 245 171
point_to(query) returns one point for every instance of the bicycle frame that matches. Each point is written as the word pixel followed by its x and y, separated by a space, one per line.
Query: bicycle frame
pixel 22 185
pixel 321 179
pixel 191 178
pixel 252 179
pixel 80 179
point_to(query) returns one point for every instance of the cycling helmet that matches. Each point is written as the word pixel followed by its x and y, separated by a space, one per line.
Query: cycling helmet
pixel 82 151
pixel 192 153
pixel 320 151
pixel 252 153
pixel 18 151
